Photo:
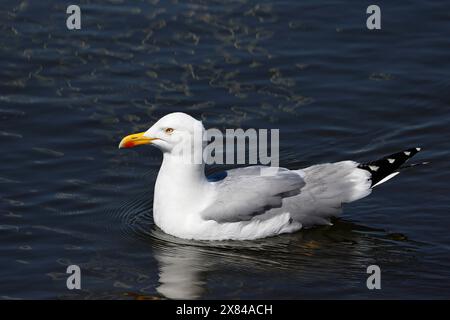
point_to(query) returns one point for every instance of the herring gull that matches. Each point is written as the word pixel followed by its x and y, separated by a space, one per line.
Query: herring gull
pixel 246 203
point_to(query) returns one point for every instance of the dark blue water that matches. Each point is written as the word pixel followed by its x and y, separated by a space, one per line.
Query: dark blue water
pixel 334 89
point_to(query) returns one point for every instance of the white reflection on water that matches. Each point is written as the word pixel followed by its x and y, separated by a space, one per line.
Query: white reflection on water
pixel 186 268
pixel 180 274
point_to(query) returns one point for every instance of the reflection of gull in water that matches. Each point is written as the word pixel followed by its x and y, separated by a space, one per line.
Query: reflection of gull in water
pixel 246 203
pixel 344 248
pixel 180 273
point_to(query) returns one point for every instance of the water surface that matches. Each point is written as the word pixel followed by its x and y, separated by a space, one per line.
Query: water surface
pixel 336 91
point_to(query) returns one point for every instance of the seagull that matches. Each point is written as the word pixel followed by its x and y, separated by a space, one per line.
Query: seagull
pixel 247 203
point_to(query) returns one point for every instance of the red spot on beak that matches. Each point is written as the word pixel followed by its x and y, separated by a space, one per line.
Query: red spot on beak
pixel 129 144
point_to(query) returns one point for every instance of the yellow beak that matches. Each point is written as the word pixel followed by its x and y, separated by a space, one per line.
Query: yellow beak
pixel 134 140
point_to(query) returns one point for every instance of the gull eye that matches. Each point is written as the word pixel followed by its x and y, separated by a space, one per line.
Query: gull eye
pixel 168 130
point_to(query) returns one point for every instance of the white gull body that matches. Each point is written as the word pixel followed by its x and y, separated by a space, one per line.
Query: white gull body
pixel 246 203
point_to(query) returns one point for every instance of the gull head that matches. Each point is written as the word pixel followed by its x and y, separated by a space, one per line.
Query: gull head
pixel 176 133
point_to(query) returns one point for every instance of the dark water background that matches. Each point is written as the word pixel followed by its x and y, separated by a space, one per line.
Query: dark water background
pixel 311 68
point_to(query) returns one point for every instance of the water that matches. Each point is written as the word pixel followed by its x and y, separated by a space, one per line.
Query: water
pixel 336 90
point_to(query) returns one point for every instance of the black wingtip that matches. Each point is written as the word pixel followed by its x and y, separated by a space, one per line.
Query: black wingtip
pixel 382 168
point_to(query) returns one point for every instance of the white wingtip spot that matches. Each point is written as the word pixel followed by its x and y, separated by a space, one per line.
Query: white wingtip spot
pixel 407 153
pixel 374 168
pixel 418 149
pixel 391 160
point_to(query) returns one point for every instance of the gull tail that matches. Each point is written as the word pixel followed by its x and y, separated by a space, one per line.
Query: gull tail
pixel 388 167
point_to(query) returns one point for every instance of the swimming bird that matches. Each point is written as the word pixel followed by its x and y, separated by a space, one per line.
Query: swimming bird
pixel 248 203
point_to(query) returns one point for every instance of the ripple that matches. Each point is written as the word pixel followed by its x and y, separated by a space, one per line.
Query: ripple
pixel 48 152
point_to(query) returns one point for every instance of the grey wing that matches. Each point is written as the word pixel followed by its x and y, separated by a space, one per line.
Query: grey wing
pixel 327 187
pixel 247 192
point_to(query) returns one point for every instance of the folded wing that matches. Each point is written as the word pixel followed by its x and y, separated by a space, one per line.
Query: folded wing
pixel 248 192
